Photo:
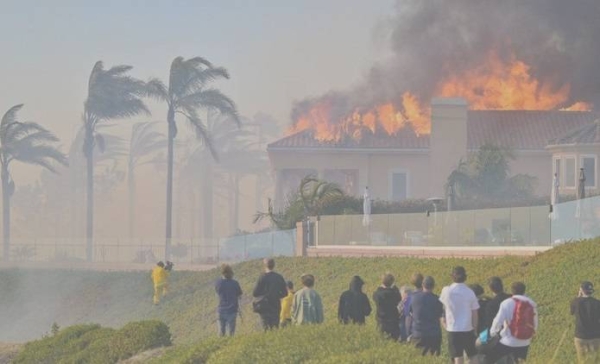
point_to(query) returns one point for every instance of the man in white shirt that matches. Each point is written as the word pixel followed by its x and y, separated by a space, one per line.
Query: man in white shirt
pixel 509 344
pixel 460 307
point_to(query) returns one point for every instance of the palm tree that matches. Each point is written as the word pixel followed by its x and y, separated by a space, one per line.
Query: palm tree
pixel 112 94
pixel 144 143
pixel 28 143
pixel 309 199
pixel 187 93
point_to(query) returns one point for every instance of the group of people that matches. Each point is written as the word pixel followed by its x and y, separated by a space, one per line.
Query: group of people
pixel 484 329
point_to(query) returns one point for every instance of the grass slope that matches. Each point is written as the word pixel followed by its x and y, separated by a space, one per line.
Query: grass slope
pixel 112 299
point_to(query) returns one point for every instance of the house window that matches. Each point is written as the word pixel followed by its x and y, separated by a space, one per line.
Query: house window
pixel 588 163
pixel 570 175
pixel 399 186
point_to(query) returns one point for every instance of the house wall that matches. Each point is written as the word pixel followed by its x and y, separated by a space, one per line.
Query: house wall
pixel 374 169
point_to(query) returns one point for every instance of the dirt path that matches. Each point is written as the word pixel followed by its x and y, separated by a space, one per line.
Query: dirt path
pixel 8 352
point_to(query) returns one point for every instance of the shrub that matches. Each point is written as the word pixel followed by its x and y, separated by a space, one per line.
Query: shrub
pixel 94 344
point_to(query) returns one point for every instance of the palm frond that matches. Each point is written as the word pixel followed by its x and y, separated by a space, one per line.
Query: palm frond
pixel 43 155
pixel 156 89
pixel 112 94
pixel 210 99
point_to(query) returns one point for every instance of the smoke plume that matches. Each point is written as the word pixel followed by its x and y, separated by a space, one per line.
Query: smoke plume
pixel 435 39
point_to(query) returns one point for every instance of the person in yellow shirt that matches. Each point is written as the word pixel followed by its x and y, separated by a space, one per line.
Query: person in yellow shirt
pixel 159 278
pixel 285 317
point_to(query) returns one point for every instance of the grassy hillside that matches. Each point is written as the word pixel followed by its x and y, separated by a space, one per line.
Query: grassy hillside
pixel 32 300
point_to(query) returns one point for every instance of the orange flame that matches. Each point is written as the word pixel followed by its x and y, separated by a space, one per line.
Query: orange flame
pixel 496 84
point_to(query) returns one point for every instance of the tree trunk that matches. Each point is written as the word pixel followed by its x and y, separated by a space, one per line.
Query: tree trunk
pixel 207 196
pixel 6 213
pixel 236 202
pixel 89 233
pixel 131 191
pixel 169 217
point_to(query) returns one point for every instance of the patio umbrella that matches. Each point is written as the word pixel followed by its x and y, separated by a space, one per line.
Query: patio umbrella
pixel 580 194
pixel 366 208
pixel 554 197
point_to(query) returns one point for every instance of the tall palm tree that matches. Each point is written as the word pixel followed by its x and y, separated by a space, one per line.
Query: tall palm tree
pixel 144 143
pixel 24 142
pixel 112 94
pixel 188 92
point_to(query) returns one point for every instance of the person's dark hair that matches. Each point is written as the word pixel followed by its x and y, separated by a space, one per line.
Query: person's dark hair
pixel 226 271
pixel 417 280
pixel 428 283
pixel 495 285
pixel 459 274
pixel 161 264
pixel 477 289
pixel 518 288
pixel 388 280
pixel 308 280
pixel 269 263
pixel 356 284
pixel 289 284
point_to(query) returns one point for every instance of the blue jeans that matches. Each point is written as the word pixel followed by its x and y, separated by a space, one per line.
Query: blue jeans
pixel 227 320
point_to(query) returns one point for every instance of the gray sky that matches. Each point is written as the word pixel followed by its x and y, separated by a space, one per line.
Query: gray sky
pixel 275 51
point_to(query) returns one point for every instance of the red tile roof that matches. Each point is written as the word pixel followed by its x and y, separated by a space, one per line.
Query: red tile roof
pixel 516 129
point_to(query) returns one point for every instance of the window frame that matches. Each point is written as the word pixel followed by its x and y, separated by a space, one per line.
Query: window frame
pixel 391 182
pixel 564 168
pixel 560 169
pixel 594 156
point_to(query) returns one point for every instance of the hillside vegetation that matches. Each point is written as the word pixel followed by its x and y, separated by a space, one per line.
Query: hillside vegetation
pixel 112 299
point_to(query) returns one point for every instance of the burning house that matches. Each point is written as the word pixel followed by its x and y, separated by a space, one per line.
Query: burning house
pixel 406 164
pixel 521 75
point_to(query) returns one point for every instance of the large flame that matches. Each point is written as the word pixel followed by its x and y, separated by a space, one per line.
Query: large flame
pixel 497 84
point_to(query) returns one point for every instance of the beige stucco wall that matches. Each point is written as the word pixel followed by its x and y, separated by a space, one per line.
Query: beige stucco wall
pixel 373 168
pixel 448 140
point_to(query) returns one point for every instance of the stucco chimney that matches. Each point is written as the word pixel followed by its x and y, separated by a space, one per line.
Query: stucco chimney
pixel 448 140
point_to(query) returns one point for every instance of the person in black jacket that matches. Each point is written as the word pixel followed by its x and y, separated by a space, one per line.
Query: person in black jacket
pixel 387 297
pixel 354 305
pixel 493 305
pixel 270 289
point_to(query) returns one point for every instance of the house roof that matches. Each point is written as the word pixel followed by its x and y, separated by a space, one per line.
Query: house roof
pixel 403 139
pixel 516 129
pixel 587 134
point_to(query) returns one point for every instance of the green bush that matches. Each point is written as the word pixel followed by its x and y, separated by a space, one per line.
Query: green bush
pixel 136 337
pixel 93 344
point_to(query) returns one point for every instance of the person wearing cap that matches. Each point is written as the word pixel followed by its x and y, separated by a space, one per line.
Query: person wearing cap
pixel 586 310
pixel 461 316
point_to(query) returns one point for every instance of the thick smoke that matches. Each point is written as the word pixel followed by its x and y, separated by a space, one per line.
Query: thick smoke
pixel 432 39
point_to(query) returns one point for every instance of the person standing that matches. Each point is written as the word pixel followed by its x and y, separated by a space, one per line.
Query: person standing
pixel 461 315
pixel 426 311
pixel 483 301
pixel 268 292
pixel 387 297
pixel 493 306
pixel 229 292
pixel 354 305
pixel 307 307
pixel 516 322
pixel 285 318
pixel 586 310
pixel 159 279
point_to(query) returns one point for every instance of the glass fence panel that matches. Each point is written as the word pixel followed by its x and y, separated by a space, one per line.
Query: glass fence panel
pixel 326 230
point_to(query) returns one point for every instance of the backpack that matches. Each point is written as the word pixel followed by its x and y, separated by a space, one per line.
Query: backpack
pixel 522 324
pixel 260 304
